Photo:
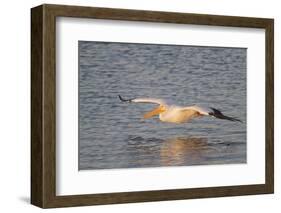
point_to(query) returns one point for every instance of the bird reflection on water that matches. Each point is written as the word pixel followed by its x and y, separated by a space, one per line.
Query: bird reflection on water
pixel 177 151
pixel 143 152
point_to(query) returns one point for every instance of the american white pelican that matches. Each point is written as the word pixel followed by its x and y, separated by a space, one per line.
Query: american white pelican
pixel 177 114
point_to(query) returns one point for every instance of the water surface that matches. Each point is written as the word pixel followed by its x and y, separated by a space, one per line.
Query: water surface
pixel 113 134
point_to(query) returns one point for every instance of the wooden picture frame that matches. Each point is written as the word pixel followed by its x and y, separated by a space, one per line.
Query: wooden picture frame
pixel 43 105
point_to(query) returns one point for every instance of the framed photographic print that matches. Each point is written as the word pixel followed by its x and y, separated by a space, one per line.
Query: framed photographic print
pixel 135 106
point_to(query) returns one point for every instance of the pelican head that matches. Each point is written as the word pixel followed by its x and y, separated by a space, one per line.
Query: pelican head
pixel 156 111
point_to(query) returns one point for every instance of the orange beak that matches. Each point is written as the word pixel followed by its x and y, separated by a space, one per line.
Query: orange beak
pixel 155 111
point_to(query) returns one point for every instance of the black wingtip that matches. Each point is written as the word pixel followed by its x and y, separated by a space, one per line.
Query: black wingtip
pixel 218 114
pixel 216 111
pixel 124 100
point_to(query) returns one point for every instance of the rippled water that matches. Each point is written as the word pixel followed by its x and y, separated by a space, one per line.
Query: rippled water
pixel 113 134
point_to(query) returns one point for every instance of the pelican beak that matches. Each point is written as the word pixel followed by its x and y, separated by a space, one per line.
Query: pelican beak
pixel 154 112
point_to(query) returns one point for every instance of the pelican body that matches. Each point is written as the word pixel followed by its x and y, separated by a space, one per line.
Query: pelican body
pixel 177 114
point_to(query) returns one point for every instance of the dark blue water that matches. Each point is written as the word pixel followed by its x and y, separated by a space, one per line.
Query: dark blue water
pixel 113 134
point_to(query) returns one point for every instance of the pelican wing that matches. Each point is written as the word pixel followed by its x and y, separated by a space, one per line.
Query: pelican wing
pixel 212 112
pixel 149 100
pixel 144 100
pixel 196 110
pixel 188 114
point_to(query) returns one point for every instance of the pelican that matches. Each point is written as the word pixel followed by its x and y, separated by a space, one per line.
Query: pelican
pixel 177 114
